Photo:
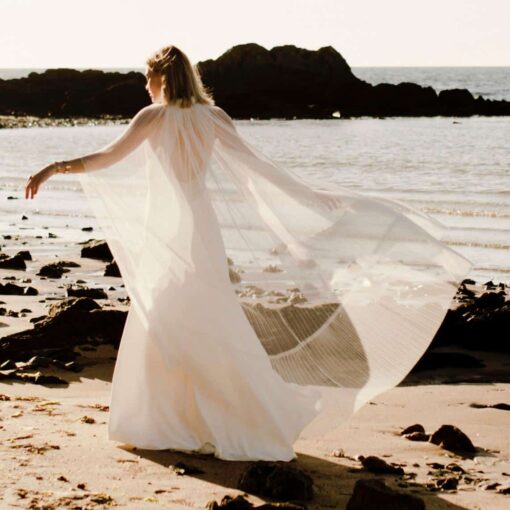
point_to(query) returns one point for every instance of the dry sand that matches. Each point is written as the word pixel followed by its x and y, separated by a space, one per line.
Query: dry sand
pixel 52 452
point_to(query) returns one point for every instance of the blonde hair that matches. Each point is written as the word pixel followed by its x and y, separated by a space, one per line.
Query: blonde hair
pixel 181 81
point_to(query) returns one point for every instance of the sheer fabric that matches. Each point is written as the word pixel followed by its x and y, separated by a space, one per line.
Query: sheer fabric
pixel 263 308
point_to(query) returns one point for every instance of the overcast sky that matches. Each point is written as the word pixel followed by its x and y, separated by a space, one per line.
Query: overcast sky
pixel 122 33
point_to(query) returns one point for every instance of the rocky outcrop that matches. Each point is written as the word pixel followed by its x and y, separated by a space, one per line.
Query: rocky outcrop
pixel 248 81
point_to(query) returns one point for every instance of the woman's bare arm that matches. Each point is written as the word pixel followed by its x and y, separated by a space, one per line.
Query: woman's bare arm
pixel 136 132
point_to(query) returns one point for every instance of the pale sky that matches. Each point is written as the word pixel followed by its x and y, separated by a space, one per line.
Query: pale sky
pixel 122 33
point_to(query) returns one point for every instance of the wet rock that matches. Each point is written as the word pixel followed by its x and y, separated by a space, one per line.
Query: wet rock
pixel 230 503
pixel 112 269
pixel 8 365
pixel 380 466
pixel 417 436
pixel 413 428
pixel 24 254
pixel 451 438
pixel 273 480
pixel 447 484
pixel 14 262
pixel 432 360
pixel 34 378
pixel 78 291
pixel 477 324
pixel 13 289
pixel 53 270
pixel 95 249
pixel 454 468
pixel 489 486
pixel 501 406
pixel 69 323
pixel 375 495
pixel 181 468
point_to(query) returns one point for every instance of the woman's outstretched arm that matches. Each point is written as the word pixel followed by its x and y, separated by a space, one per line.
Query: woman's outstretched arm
pixel 135 133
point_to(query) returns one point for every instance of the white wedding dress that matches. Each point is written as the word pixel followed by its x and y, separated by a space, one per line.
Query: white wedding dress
pixel 329 297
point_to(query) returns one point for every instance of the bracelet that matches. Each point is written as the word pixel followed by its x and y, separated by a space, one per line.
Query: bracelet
pixel 62 167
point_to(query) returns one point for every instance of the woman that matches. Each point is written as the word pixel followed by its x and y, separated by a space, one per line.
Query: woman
pixel 264 309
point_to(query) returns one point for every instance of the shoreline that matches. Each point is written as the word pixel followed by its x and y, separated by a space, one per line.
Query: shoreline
pixel 30 121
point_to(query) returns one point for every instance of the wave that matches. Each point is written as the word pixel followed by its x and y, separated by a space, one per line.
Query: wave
pixel 474 244
pixel 463 212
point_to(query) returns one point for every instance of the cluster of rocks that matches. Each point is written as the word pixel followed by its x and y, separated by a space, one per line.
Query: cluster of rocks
pixel 448 437
pixel 75 322
pixel 479 322
pixel 248 81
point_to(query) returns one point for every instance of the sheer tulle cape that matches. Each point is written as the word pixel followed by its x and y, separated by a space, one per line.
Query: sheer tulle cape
pixel 344 291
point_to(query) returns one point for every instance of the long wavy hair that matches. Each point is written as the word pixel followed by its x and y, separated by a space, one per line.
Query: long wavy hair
pixel 181 81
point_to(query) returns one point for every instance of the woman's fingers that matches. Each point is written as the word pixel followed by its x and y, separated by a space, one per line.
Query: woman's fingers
pixel 31 188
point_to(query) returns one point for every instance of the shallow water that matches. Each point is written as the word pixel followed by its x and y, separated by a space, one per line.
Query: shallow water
pixel 457 170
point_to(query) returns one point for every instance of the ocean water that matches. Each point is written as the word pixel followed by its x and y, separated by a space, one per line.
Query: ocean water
pixel 455 169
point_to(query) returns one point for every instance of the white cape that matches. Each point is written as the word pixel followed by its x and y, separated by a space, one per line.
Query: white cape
pixel 327 298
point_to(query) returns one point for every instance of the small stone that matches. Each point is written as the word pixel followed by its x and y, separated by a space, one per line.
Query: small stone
pixel 373 494
pixel 380 466
pixel 413 428
pixel 417 436
pixel 451 438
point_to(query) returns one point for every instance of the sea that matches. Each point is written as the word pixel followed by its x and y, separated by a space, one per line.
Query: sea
pixel 454 169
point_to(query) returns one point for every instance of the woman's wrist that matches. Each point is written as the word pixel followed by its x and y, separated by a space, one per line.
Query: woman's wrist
pixel 61 167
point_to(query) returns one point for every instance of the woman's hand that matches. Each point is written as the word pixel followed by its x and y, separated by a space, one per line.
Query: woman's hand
pixel 34 181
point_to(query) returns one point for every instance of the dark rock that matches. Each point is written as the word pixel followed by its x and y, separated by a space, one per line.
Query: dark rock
pixel 69 323
pixel 454 468
pixel 500 406
pixel 412 428
pixel 15 262
pixel 280 482
pixel 87 229
pixel 24 254
pixel 68 263
pixel 468 281
pixel 53 270
pixel 86 292
pixel 375 495
pixel 432 360
pixel 380 466
pixel 8 365
pixel 417 436
pixel 95 249
pixel 181 468
pixel 34 378
pixel 451 438
pixel 248 81
pixel 447 484
pixel 16 290
pixel 112 269
pixel 24 217
pixel 230 503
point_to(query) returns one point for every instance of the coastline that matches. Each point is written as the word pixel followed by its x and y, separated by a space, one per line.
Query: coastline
pixel 28 121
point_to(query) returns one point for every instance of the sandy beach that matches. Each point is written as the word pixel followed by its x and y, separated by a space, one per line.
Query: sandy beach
pixel 55 452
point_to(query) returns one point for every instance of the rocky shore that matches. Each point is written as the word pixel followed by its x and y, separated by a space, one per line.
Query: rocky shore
pixel 248 81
